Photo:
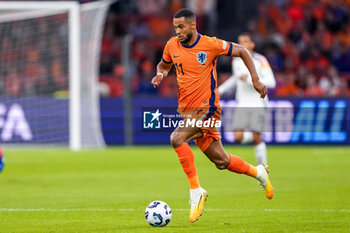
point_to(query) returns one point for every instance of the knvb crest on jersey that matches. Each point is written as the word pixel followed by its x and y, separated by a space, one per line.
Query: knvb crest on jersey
pixel 202 57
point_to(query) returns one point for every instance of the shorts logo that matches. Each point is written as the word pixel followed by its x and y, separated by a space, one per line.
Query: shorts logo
pixel 151 119
pixel 201 57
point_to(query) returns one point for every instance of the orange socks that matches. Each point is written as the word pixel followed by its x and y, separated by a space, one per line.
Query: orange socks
pixel 186 158
pixel 238 165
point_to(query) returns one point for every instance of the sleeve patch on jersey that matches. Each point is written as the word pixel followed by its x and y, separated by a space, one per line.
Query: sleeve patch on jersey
pixel 224 45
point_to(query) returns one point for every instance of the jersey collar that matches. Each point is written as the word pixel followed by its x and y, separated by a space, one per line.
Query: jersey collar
pixel 192 45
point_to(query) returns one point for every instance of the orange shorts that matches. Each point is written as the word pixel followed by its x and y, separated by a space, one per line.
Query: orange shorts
pixel 208 137
pixel 210 133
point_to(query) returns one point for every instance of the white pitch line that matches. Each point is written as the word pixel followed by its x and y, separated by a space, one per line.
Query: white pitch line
pixel 131 210
pixel 63 210
pixel 273 210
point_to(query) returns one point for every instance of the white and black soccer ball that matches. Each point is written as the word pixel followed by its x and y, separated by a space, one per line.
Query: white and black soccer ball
pixel 158 214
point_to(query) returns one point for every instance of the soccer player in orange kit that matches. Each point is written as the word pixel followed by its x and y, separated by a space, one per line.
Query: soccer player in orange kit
pixel 194 57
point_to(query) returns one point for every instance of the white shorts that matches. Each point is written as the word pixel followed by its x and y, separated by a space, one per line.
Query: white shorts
pixel 249 118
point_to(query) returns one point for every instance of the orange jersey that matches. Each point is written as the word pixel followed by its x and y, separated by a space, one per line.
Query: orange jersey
pixel 196 70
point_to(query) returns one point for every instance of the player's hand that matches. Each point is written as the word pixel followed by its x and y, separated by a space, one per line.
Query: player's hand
pixel 156 80
pixel 260 87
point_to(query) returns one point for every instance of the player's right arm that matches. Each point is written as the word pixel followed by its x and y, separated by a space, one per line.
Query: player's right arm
pixel 162 72
pixel 163 66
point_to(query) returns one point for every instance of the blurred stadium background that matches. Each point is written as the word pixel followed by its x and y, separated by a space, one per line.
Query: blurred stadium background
pixel 307 43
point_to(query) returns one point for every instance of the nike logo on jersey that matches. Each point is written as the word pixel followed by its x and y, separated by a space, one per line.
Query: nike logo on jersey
pixel 176 56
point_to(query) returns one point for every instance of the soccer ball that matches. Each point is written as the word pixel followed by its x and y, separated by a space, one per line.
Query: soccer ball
pixel 158 214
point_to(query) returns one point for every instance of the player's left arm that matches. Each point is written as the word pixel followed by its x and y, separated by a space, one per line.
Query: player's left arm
pixel 239 51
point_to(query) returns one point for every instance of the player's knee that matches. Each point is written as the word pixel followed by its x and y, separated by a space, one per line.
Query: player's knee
pixel 176 140
pixel 222 163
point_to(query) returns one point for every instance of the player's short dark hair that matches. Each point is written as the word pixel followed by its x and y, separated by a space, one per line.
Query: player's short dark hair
pixel 184 12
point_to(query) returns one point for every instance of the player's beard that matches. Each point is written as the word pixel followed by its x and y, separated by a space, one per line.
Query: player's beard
pixel 187 38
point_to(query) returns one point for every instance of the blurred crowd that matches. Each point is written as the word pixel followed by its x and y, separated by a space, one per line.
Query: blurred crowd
pixel 33 59
pixel 307 42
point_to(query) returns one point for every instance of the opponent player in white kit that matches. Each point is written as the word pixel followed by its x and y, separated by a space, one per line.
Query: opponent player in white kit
pixel 248 101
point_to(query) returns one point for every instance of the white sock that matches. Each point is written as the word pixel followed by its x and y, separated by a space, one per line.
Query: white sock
pixel 260 153
pixel 260 175
pixel 247 137
pixel 195 192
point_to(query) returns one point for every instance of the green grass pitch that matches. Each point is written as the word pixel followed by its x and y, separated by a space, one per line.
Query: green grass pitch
pixel 55 191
